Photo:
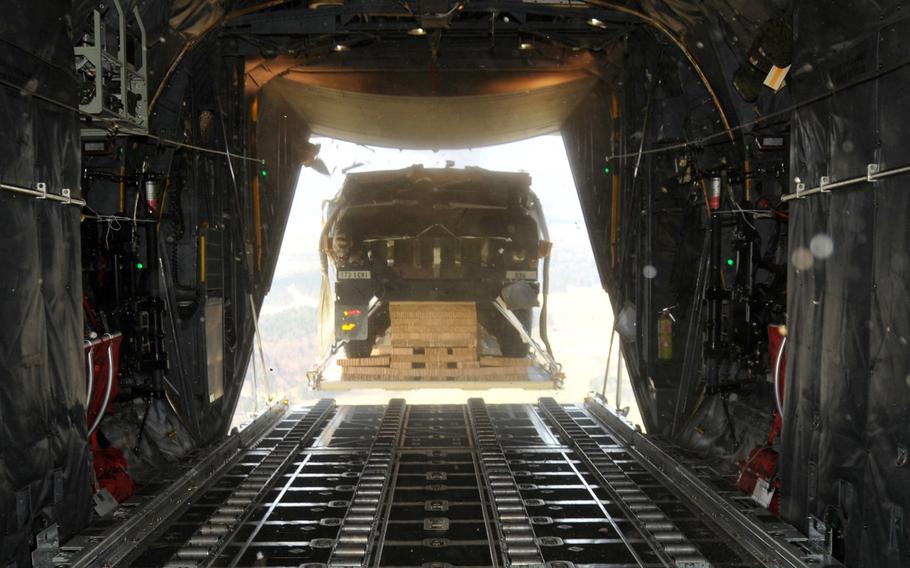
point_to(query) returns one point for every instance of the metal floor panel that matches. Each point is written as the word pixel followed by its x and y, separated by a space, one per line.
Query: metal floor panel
pixel 436 486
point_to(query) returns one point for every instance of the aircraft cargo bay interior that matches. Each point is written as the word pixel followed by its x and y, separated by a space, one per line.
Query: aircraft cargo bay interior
pixel 454 284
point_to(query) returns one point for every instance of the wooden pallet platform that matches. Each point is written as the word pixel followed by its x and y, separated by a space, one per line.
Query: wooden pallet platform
pixel 452 353
pixel 476 374
pixel 488 361
pixel 409 308
pixel 419 339
pixel 385 374
pixel 434 364
pixel 409 384
pixel 374 361
pixel 433 342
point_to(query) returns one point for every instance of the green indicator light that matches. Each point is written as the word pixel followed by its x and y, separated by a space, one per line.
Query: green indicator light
pixel 730 262
pixel 140 266
pixel 606 170
pixel 264 173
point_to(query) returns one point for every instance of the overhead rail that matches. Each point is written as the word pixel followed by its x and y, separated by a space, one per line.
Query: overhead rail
pixel 825 185
pixel 40 192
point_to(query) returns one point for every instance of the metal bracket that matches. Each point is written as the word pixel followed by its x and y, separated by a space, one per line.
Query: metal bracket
pixel 48 545
pixel 902 456
pixel 436 524
pixel 872 171
pixel 105 504
pixel 822 182
pixel 819 536
pixel 800 187
pixel 67 195
pixel 896 526
pixel 42 189
pixel 436 505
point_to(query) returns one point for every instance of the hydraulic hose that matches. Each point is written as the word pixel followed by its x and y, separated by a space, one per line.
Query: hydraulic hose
pixel 110 384
pixel 778 399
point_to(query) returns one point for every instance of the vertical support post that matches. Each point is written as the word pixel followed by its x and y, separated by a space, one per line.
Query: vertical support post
pixel 619 368
pixel 615 182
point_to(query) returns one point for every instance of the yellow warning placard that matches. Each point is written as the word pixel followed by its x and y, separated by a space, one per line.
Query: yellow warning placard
pixel 775 77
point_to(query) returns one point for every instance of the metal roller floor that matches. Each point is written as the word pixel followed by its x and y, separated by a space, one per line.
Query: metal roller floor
pixel 440 486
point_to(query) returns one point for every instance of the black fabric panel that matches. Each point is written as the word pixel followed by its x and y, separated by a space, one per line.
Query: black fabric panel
pixel 45 472
pixel 61 287
pixel 281 137
pixel 888 406
pixel 848 389
pixel 587 137
pixel 44 458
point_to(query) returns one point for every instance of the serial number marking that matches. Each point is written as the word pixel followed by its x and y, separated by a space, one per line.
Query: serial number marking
pixel 353 274
pixel 521 275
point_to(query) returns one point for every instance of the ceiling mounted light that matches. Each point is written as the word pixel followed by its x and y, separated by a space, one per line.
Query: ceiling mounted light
pixel 341 47
pixel 417 32
pixel 525 45
pixel 596 23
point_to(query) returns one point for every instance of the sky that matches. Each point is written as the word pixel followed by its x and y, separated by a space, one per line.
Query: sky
pixel 581 318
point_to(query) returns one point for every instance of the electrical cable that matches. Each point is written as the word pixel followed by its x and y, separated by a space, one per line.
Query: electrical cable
pixel 190 44
pixel 644 132
pixel 171 312
pixel 646 289
pixel 680 44
pixel 135 211
pixel 114 218
pixel 238 213
pixel 737 207
pixel 753 123
pixel 169 142
pixel 131 132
